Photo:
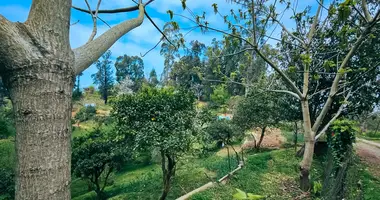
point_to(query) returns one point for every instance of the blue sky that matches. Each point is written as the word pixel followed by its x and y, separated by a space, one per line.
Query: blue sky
pixel 144 37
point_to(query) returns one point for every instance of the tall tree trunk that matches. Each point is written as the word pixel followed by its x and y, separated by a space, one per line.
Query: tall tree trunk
pixel 305 165
pixel 261 137
pixel 41 96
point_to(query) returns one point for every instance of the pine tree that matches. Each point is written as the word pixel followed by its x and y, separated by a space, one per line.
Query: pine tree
pixel 104 77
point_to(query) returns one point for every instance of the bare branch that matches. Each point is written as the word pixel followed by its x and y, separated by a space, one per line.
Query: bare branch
pixel 287 31
pixel 94 18
pixel 119 10
pixel 90 52
pixel 315 22
pixel 337 114
pixel 248 85
pixel 236 53
pixel 365 10
pixel 142 55
pixel 155 25
pixel 287 92
pixel 282 74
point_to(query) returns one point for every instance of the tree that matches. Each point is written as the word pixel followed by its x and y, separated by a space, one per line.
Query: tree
pixel 258 109
pixel 131 66
pixel 153 80
pixel 220 95
pixel 95 156
pixel 159 118
pixel 104 77
pixel 77 93
pixel 125 86
pixel 37 67
pixel 304 37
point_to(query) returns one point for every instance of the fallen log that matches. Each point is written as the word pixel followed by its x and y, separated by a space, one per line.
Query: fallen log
pixel 210 184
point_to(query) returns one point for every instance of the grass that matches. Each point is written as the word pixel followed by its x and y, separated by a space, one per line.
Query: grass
pixel 263 174
pixel 289 136
pixel 370 135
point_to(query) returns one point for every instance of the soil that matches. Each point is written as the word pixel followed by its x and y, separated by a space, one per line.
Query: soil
pixel 369 153
pixel 272 139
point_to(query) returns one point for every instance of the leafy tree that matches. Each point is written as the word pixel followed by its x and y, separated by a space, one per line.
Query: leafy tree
pixel 153 80
pixel 220 95
pixel 223 132
pixel 104 77
pixel 258 110
pixel 305 39
pixel 95 156
pixel 158 118
pixel 132 67
pixel 37 66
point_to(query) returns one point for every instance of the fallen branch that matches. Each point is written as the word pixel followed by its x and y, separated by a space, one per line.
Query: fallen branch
pixel 210 184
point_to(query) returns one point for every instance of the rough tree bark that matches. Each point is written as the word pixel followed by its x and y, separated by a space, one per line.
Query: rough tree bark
pixel 38 67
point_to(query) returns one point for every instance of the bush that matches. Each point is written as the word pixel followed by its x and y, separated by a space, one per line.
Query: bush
pixel 86 113
pixel 77 95
pixel 6 124
pixel 7 184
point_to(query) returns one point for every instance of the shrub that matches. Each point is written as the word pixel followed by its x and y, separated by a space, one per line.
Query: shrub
pixel 223 131
pixel 86 113
pixel 7 184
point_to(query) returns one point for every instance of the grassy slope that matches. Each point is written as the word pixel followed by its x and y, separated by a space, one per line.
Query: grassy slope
pixel 272 174
pixel 264 173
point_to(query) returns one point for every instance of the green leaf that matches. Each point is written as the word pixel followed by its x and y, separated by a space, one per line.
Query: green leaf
pixel 183 4
pixel 170 14
pixel 215 6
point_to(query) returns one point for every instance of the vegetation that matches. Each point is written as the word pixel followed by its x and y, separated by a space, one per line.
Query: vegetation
pixel 161 119
pixel 104 77
pixel 162 136
pixel 95 156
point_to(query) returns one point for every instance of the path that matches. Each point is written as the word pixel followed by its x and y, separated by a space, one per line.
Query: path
pixel 369 152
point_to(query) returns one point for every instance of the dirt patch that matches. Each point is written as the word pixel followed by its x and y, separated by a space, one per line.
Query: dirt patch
pixel 272 139
pixel 370 155
pixel 102 112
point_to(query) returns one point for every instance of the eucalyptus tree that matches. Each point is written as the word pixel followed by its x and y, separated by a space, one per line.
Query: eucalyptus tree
pixel 304 37
pixel 38 67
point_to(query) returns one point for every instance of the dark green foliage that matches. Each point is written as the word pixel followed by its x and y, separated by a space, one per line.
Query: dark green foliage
pixel 223 131
pixel 86 113
pixel 341 137
pixel 261 109
pixel 95 156
pixel 104 77
pixel 6 123
pixel 7 184
pixel 3 93
pixel 7 165
pixel 161 119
